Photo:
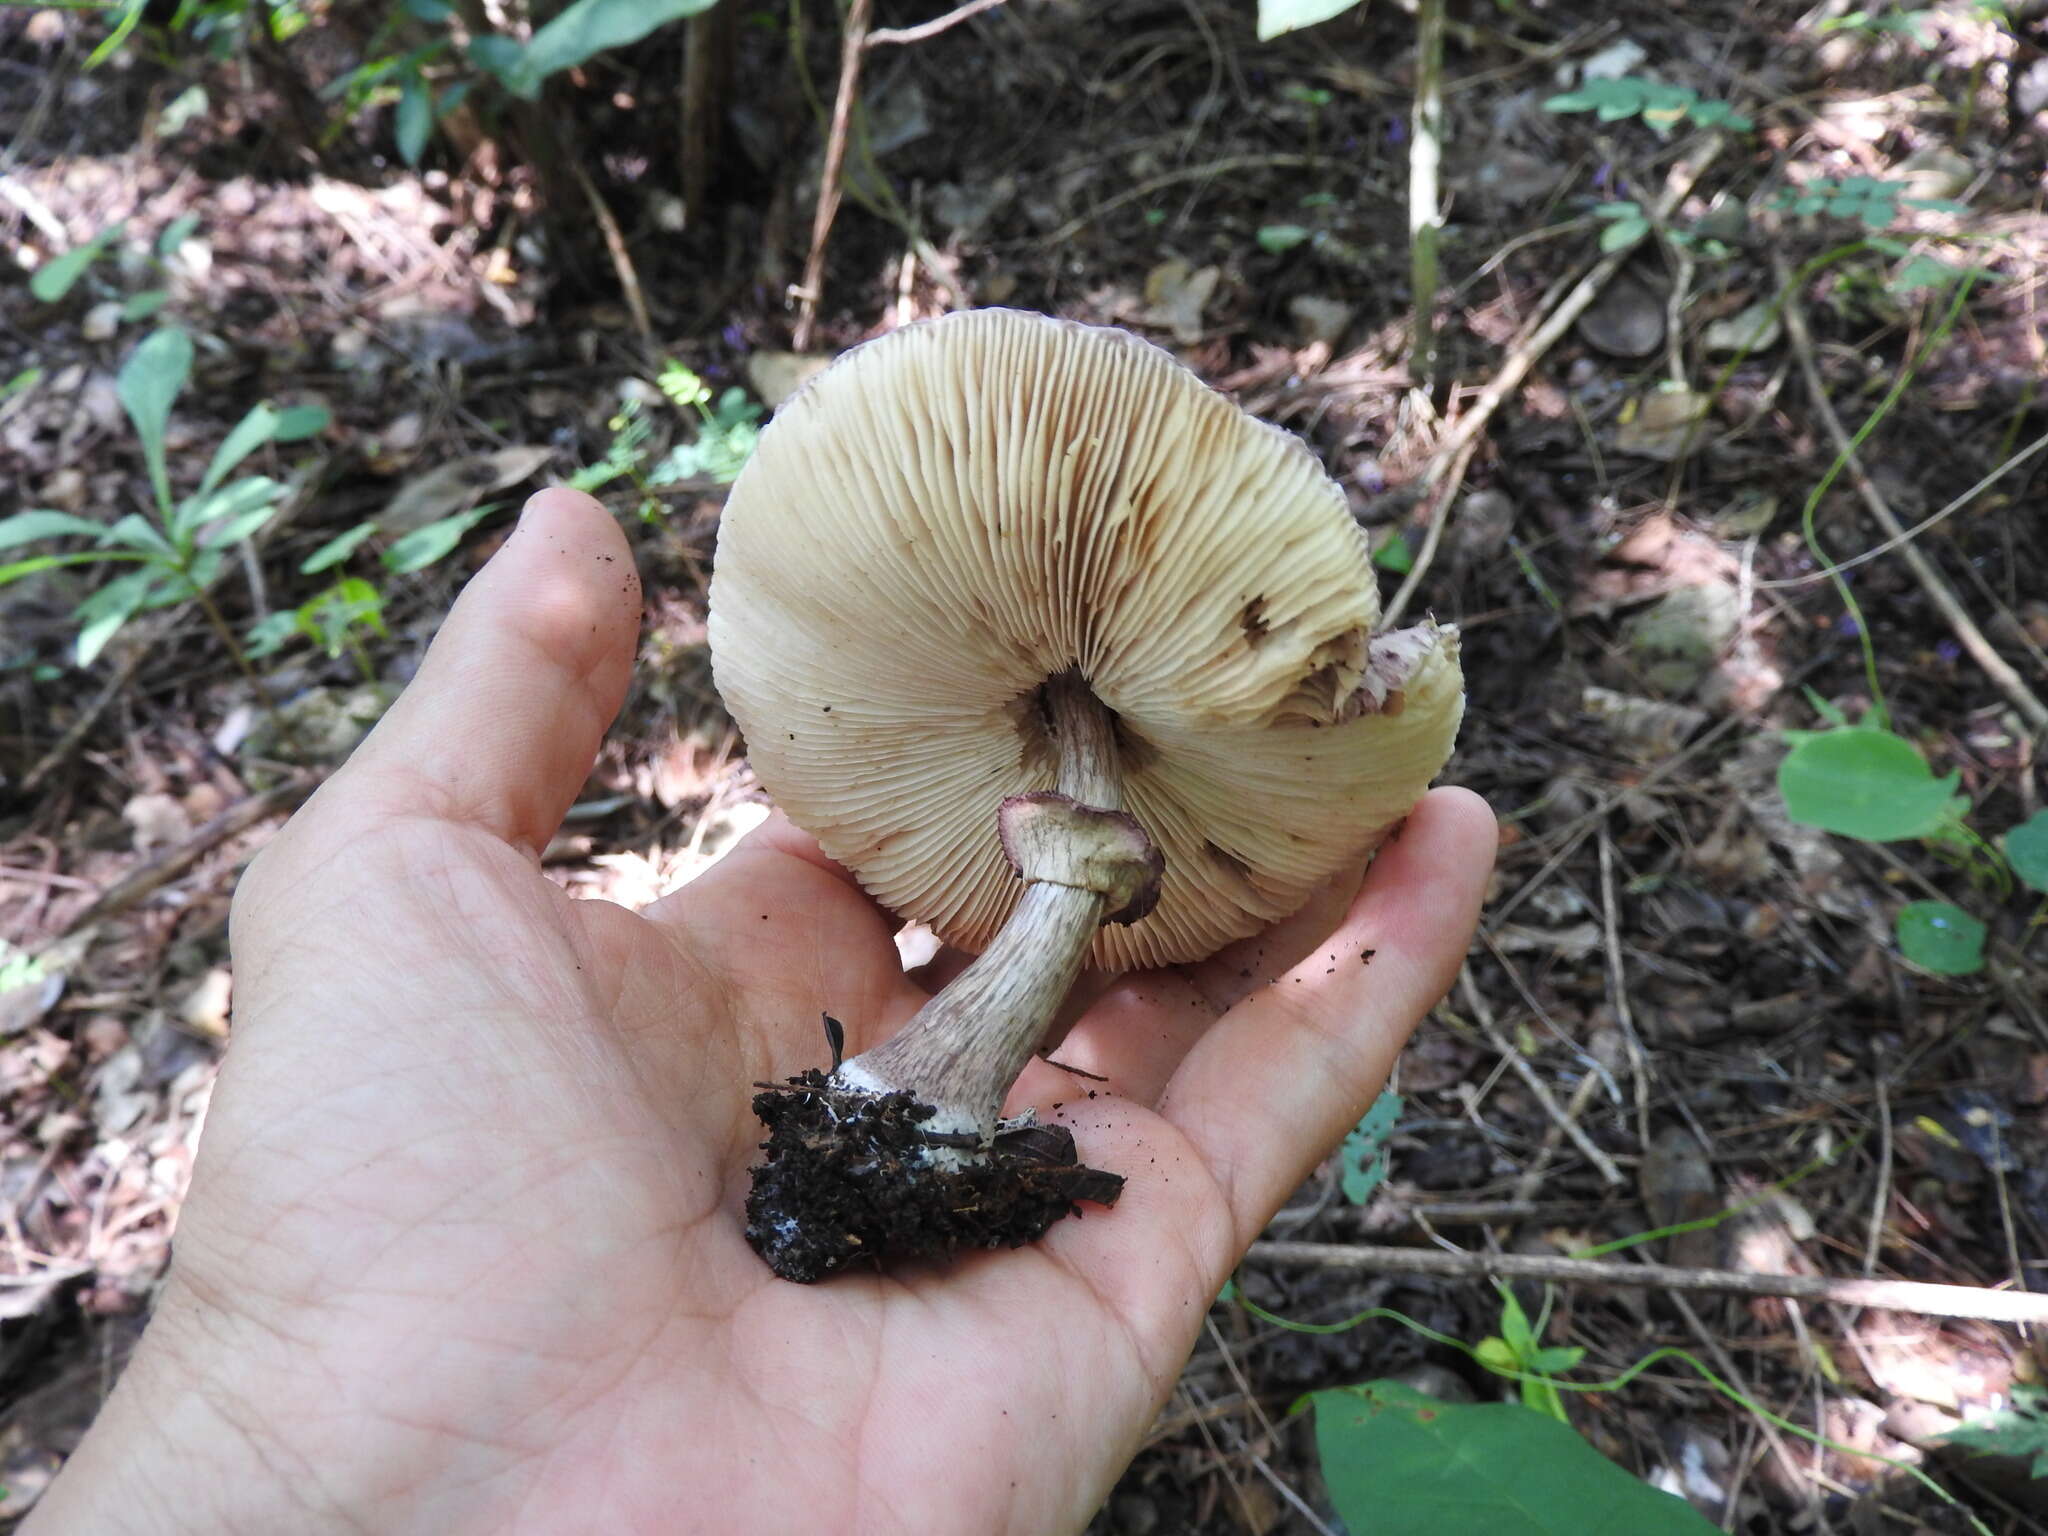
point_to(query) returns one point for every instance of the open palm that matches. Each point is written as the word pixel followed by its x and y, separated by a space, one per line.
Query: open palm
pixel 464 1246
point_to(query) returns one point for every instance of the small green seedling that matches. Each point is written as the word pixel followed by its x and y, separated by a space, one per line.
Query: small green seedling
pixel 54 280
pixel 1867 782
pixel 1863 200
pixel 1661 105
pixel 726 433
pixel 1627 222
pixel 177 552
pixel 1518 1351
pixel 337 618
pixel 1279 239
pixel 1393 554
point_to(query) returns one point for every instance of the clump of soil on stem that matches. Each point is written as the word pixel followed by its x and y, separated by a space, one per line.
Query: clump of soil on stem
pixel 853 1177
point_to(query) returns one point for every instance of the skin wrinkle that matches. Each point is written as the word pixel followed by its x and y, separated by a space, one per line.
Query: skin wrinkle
pixel 599 1351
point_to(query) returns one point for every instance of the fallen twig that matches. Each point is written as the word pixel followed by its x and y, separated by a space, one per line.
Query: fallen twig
pixel 1446 470
pixel 1939 592
pixel 1566 1123
pixel 852 48
pixel 141 883
pixel 80 728
pixel 615 246
pixel 890 35
pixel 1892 1295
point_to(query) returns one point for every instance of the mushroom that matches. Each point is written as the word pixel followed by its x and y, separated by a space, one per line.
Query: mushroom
pixel 1064 655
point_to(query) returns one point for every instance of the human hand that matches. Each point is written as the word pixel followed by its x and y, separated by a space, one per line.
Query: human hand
pixel 463 1249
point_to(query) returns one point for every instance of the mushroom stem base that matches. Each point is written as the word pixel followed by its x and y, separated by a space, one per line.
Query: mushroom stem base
pixel 850 1177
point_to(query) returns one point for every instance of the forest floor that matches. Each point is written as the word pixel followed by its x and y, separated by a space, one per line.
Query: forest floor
pixel 1682 1003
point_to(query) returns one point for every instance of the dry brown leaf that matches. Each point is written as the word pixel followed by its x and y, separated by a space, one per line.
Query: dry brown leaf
pixel 456 486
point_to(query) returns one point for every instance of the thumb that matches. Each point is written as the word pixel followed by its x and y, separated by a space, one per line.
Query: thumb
pixel 501 725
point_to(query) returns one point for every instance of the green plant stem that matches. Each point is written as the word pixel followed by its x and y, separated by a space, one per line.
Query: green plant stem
pixel 1841 462
pixel 1425 153
pixel 1768 1192
pixel 219 624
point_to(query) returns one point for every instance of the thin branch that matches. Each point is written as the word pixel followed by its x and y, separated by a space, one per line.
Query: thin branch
pixel 1538 1089
pixel 889 36
pixel 1932 582
pixel 1891 1295
pixel 615 245
pixel 852 48
pixel 173 862
pixel 1447 469
pixel 1990 479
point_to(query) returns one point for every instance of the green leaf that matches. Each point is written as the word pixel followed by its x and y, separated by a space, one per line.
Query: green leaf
pixel 55 277
pixel 1278 16
pixel 1866 783
pixel 2020 1431
pixel 336 549
pixel 21 383
pixel 101 616
pixel 249 434
pixel 682 386
pixel 585 29
pixel 43 523
pixel 330 618
pixel 423 546
pixel 1278 239
pixel 1395 555
pixel 432 12
pixel 496 55
pixel 1623 233
pixel 148 384
pixel 140 306
pixel 2026 848
pixel 36 564
pixel 296 423
pixel 234 500
pixel 181 585
pixel 237 525
pixel 415 117
pixel 131 13
pixel 1498 1356
pixel 1362 1160
pixel 1580 100
pixel 139 533
pixel 175 234
pixel 1941 938
pixel 1399 1463
pixel 267 636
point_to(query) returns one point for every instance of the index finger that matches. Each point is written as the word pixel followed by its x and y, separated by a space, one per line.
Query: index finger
pixel 1274 1083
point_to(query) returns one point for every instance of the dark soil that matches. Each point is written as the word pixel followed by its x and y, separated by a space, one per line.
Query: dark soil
pixel 848 1180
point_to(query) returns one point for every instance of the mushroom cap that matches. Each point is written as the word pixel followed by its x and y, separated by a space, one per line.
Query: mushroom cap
pixel 956 512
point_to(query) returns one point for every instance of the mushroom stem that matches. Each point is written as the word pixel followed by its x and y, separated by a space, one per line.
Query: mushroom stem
pixel 1084 863
pixel 966 1046
pixel 900 1150
pixel 1085 735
